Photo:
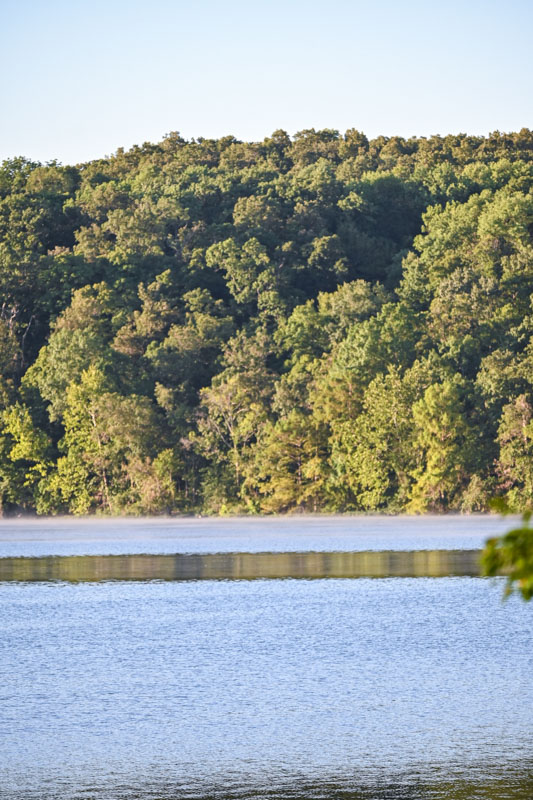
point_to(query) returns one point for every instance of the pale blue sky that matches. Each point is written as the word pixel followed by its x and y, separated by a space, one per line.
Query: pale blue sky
pixel 80 79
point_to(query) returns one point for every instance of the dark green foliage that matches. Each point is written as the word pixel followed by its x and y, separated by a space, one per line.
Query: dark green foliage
pixel 322 322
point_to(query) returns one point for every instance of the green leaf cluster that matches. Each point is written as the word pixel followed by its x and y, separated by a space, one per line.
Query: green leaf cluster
pixel 512 554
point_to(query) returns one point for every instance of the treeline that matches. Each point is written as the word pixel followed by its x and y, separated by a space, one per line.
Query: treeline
pixel 322 323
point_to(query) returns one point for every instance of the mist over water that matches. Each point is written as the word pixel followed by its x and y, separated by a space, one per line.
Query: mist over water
pixel 365 689
pixel 100 536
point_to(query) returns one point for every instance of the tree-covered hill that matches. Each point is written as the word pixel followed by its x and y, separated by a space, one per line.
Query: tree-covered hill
pixel 315 323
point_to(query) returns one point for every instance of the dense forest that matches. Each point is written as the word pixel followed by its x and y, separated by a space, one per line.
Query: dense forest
pixel 318 323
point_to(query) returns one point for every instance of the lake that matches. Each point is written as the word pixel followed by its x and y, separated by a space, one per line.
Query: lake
pixel 261 658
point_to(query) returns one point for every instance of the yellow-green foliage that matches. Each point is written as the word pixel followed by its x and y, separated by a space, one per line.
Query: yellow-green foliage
pixel 322 322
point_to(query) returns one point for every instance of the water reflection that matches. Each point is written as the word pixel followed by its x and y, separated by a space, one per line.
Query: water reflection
pixel 512 782
pixel 510 787
pixel 242 566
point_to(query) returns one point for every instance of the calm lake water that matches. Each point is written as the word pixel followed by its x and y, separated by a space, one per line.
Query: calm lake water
pixel 316 687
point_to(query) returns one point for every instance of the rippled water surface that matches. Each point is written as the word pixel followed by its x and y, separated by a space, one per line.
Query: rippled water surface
pixel 407 688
